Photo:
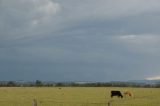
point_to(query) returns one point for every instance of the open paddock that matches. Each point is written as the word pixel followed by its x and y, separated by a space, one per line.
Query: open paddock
pixel 77 96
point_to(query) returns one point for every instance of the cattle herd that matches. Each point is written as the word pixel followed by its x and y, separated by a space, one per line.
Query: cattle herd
pixel 119 94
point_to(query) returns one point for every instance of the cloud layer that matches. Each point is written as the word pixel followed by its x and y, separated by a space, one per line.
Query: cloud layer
pixel 23 18
pixel 87 40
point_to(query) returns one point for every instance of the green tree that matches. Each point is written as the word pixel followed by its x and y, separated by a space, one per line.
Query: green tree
pixel 38 83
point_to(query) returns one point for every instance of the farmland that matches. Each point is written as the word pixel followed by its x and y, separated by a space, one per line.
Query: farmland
pixel 77 96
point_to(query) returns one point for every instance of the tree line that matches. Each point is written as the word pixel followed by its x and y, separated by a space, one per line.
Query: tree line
pixel 39 83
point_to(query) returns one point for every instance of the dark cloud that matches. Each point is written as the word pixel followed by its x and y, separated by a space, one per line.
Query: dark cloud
pixel 79 41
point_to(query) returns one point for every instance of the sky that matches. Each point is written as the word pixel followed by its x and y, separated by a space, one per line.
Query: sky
pixel 79 40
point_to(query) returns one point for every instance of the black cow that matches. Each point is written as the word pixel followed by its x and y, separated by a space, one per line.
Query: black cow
pixel 116 93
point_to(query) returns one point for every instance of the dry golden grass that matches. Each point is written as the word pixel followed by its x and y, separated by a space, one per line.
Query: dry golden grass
pixel 77 96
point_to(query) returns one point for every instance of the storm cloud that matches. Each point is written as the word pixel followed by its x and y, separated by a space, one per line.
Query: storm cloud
pixel 88 40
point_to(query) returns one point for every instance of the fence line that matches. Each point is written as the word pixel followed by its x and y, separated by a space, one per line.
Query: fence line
pixel 35 102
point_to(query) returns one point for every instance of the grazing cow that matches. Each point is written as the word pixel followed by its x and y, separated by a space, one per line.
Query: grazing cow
pixel 128 93
pixel 116 93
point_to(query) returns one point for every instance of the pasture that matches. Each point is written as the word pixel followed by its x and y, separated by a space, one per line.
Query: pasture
pixel 77 96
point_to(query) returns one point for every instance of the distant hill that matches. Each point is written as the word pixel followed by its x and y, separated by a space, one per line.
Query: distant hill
pixel 150 82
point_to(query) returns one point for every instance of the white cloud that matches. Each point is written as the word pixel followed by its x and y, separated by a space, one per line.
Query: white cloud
pixel 153 78
pixel 44 10
pixel 141 43
pixel 140 39
pixel 21 18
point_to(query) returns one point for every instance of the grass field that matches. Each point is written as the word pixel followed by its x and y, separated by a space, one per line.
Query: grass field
pixel 77 96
